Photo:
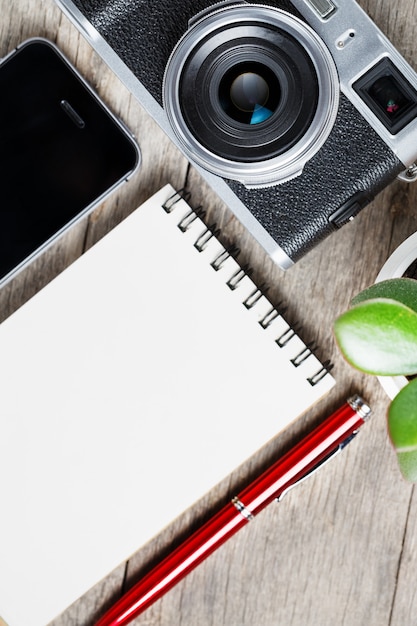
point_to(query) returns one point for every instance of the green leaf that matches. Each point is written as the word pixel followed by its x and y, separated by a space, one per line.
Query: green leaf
pixel 401 289
pixel 402 418
pixel 379 337
pixel 407 462
pixel 402 428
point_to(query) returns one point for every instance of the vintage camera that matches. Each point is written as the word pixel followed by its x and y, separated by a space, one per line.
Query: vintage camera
pixel 297 113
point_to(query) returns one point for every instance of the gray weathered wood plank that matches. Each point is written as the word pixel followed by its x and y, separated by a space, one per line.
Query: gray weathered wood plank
pixel 340 549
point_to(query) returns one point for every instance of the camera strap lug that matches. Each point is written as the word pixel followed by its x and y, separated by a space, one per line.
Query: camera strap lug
pixel 410 174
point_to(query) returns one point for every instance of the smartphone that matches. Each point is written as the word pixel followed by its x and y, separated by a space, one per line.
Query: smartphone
pixel 61 151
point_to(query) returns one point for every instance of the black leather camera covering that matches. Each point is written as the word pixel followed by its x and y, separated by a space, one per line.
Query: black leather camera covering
pixel 349 170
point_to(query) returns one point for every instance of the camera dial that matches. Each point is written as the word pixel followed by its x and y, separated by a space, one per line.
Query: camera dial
pixel 252 93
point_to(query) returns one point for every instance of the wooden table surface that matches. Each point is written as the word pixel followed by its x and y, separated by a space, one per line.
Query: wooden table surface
pixel 340 549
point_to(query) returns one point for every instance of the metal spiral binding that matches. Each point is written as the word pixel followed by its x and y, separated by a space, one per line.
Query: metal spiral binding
pixel 255 296
pixel 182 194
pixel 270 317
pixel 327 366
pixel 304 354
pixel 221 258
pixel 287 335
pixel 204 239
pixel 233 282
pixel 201 243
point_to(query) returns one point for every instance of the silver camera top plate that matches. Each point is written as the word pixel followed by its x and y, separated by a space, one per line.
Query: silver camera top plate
pixel 357 45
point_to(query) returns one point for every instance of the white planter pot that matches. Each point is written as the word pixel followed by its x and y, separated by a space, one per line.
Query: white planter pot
pixel 395 266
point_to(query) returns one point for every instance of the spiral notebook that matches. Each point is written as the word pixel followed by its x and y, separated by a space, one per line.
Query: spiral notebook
pixel 130 385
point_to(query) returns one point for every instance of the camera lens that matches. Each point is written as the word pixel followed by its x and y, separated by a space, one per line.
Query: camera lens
pixel 250 102
pixel 251 93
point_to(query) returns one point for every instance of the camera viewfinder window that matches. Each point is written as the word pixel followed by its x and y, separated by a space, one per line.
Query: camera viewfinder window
pixel 389 95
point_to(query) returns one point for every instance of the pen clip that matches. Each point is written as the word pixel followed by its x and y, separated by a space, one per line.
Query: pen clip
pixel 341 446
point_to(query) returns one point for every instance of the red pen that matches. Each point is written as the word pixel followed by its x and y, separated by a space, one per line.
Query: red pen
pixel 312 452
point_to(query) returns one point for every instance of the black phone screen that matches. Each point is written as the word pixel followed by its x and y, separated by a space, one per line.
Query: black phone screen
pixel 60 150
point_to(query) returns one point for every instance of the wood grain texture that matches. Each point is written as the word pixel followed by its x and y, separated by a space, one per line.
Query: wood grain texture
pixel 341 548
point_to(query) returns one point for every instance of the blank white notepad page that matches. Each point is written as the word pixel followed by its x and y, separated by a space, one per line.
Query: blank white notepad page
pixel 130 386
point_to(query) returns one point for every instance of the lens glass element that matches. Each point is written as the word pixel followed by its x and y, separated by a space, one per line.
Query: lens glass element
pixel 249 93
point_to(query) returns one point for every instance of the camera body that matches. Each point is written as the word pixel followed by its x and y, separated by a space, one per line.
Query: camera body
pixel 297 113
